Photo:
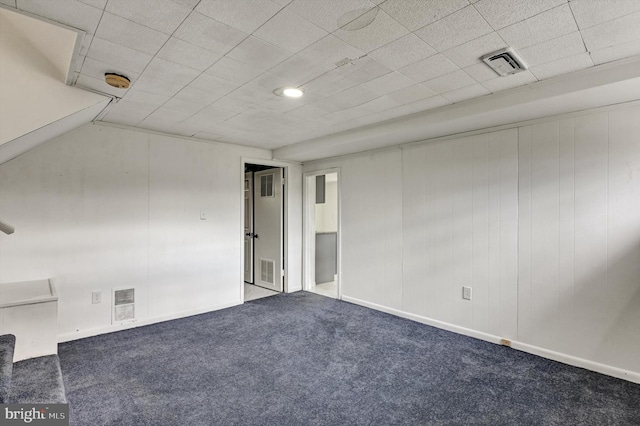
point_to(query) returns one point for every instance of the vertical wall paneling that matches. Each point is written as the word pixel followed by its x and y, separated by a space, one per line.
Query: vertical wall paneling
pixel 564 310
pixel 524 233
pixel 462 229
pixel 480 283
pixel 592 318
pixel 414 288
pixel 623 263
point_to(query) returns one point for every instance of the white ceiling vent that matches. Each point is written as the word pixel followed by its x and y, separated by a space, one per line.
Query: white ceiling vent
pixel 505 61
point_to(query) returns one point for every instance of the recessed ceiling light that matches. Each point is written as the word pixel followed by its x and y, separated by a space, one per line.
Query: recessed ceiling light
pixel 290 92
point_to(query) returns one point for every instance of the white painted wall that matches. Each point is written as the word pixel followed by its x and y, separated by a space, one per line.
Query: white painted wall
pixel 35 57
pixel 104 207
pixel 541 220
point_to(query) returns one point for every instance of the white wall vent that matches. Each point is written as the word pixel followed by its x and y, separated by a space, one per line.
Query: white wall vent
pixel 124 305
pixel 505 62
pixel 267 271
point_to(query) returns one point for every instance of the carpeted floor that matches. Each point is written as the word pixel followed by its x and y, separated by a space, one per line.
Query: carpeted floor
pixel 304 359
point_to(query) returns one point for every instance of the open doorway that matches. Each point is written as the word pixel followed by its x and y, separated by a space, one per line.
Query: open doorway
pixel 322 233
pixel 264 253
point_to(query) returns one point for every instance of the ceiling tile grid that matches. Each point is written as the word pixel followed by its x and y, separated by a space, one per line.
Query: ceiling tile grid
pixel 209 67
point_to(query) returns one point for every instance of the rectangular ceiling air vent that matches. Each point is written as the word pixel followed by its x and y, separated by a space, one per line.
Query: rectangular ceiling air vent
pixel 505 62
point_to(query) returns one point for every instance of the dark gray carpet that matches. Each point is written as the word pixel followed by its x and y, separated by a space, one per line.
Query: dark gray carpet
pixel 302 359
pixel 7 346
pixel 37 381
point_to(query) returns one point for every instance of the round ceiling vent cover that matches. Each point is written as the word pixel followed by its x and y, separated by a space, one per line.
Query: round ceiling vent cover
pixel 117 80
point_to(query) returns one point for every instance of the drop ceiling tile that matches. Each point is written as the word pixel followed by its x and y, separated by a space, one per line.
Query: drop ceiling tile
pixel 465 93
pixel 128 116
pixel 213 84
pixel 426 69
pixel 127 33
pixel 233 104
pixel 258 54
pixel 165 70
pixel 232 70
pixel 298 70
pixel 197 96
pixel 403 51
pixel 562 66
pixel 290 32
pixel 149 99
pixel 471 52
pixel 183 106
pixel 593 12
pixel 164 116
pixel 306 112
pixel 418 106
pixel 411 94
pixel 245 15
pixel 380 104
pixel 153 85
pixel 502 13
pixel 503 83
pixel 97 69
pixel 449 82
pixel 545 26
pixel 326 85
pixel 458 28
pixel 161 15
pixel 215 112
pixel 548 51
pixel 328 51
pixel 346 99
pixel 118 56
pixel 480 72
pixel 617 31
pixel 209 34
pixel 100 4
pixel 415 14
pixel 389 83
pixel 614 53
pixel 189 3
pixel 69 12
pixel 187 54
pixel 98 85
pixel 326 14
pixel 381 31
pixel 363 70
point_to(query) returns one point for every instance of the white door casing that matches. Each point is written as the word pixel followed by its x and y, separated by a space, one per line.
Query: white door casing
pixel 248 227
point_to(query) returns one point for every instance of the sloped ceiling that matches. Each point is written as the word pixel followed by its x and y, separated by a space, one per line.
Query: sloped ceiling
pixel 34 63
pixel 208 68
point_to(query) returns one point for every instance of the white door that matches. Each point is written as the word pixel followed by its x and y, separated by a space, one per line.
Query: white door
pixel 248 227
pixel 267 228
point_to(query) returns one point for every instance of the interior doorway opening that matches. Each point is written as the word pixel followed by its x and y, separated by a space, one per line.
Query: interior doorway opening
pixel 322 233
pixel 264 231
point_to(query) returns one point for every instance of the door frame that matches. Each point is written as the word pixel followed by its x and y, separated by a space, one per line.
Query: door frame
pixel 309 228
pixel 285 215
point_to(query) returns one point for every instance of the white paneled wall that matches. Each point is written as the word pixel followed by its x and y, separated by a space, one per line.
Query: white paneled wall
pixel 541 221
pixel 104 207
pixel 579 245
pixel 459 217
pixel 371 205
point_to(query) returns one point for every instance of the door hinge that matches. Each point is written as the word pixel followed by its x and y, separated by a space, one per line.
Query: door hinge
pixel 282 273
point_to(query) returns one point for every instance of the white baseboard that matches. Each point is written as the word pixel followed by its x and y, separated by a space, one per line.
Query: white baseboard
pixel 75 335
pixel 630 376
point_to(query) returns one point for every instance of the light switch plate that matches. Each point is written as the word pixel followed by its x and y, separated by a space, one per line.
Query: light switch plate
pixel 466 293
pixel 203 215
pixel 96 297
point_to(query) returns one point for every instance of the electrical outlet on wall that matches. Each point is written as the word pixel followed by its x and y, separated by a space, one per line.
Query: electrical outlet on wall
pixel 96 297
pixel 466 293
